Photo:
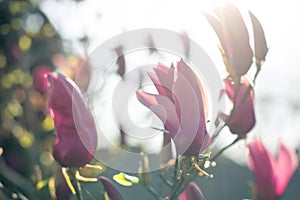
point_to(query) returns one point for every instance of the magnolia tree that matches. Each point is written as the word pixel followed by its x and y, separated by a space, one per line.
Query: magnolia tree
pixel 181 101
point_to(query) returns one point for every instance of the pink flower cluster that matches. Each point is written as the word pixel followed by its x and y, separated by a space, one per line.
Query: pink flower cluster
pixel 180 105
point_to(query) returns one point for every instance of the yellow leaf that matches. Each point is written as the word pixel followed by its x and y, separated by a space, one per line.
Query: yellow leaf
pixel 132 179
pixel 120 178
pixel 41 184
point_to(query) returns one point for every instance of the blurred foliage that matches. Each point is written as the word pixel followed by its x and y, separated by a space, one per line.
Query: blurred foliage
pixel 27 40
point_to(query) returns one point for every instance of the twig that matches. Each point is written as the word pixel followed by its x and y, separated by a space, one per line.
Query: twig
pixel 175 189
pixel 22 183
pixel 218 131
pixel 168 183
pixel 224 148
pixel 78 190
pixel 153 192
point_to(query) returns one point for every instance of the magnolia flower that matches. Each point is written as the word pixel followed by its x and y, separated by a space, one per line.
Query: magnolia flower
pixel 76 140
pixel 181 106
pixel 234 38
pixel 242 118
pixel 111 189
pixel 272 174
pixel 191 192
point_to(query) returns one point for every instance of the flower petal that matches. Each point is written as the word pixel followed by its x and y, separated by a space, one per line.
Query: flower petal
pixel 189 104
pixel 262 163
pixel 111 189
pixel 234 38
pixel 242 118
pixel 287 163
pixel 75 127
pixel 157 84
pixel 166 78
pixel 163 107
pixel 181 106
pixel 260 44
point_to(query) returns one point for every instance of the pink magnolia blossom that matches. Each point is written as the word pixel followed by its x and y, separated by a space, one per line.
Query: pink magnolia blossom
pixel 234 38
pixel 191 192
pixel 242 118
pixel 181 105
pixel 76 140
pixel 272 174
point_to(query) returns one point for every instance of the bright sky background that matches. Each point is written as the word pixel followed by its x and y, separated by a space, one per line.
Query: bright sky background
pixel 278 85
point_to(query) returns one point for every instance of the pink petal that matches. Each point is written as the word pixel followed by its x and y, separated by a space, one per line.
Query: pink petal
pixel 216 24
pixel 189 86
pixel 69 151
pixel 111 189
pixel 76 139
pixel 262 163
pixel 163 108
pixel 234 38
pixel 243 115
pixel 161 67
pixel 190 106
pixel 182 109
pixel 157 84
pixel 287 163
pixel 260 44
pixel 166 78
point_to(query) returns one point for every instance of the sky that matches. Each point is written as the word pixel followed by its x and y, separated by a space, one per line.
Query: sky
pixel 278 86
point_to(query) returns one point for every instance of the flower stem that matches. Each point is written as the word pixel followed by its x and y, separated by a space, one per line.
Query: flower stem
pixel 224 148
pixel 175 190
pixel 168 183
pixel 217 132
pixel 18 181
pixel 78 190
pixel 75 182
pixel 153 192
pixel 175 169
